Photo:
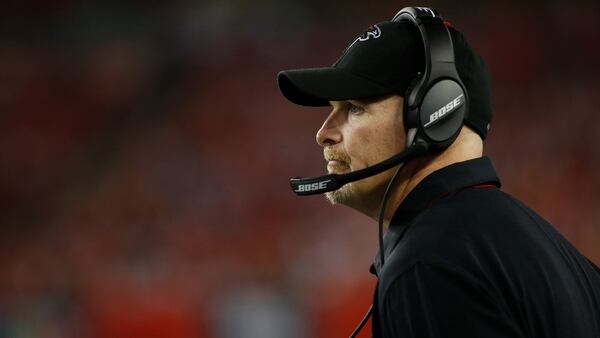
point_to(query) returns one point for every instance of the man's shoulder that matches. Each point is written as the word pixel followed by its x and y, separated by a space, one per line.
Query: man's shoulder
pixel 475 213
pixel 495 252
pixel 465 230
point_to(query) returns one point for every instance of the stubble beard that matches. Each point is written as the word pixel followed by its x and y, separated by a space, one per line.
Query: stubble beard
pixel 344 194
pixel 341 196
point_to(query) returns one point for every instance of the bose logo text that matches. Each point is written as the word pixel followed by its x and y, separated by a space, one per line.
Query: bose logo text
pixel 312 186
pixel 448 108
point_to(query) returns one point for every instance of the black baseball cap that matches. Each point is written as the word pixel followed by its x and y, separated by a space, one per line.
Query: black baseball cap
pixel 384 60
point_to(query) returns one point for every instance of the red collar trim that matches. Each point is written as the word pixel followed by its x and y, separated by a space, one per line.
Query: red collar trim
pixel 481 185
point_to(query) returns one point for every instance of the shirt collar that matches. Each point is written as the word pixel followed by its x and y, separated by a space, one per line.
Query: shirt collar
pixel 437 184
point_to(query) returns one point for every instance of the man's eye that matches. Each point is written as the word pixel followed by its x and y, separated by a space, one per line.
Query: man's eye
pixel 355 109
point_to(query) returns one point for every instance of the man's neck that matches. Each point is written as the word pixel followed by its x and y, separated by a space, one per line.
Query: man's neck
pixel 468 146
pixel 412 174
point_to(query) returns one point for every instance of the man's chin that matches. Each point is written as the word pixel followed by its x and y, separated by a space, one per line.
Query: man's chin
pixel 331 197
pixel 340 196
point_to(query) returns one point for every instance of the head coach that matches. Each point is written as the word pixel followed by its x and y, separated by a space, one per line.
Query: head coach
pixel 410 108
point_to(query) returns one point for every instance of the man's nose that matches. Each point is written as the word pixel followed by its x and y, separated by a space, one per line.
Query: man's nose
pixel 329 133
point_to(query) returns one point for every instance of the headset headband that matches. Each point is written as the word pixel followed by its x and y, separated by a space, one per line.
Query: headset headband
pixel 436 101
pixel 439 50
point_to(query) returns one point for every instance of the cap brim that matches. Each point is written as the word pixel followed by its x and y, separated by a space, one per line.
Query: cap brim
pixel 317 86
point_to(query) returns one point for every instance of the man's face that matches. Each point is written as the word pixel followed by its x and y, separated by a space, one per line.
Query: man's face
pixel 358 134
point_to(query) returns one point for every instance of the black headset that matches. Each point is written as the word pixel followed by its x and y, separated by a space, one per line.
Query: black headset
pixel 436 102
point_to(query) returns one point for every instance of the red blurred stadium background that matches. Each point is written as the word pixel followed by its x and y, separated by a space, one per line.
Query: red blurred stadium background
pixel 145 152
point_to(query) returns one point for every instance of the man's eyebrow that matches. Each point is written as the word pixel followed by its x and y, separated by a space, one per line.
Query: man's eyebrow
pixel 361 101
pixel 368 100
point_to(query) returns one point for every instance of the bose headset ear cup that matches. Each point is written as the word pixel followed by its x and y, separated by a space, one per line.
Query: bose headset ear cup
pixel 440 101
pixel 442 113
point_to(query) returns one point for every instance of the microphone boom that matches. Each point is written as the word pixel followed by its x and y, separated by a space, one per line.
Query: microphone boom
pixel 331 182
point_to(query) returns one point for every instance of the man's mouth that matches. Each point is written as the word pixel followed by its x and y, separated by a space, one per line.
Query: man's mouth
pixel 337 161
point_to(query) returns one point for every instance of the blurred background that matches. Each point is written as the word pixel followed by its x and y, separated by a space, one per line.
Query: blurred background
pixel 145 152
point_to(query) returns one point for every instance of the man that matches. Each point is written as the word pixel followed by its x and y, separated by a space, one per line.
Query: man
pixel 462 258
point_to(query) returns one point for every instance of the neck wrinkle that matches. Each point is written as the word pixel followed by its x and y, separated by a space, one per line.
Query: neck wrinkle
pixel 467 146
pixel 407 181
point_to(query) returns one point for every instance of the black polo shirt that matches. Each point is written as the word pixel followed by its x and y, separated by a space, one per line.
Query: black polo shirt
pixel 464 259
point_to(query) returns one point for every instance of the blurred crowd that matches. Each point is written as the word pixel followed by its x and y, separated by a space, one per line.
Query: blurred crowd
pixel 145 152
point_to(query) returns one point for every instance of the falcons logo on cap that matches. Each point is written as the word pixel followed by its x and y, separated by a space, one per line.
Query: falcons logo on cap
pixel 373 32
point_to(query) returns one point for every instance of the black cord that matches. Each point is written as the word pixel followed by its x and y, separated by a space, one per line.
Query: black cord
pixel 362 322
pixel 382 212
pixel 381 248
